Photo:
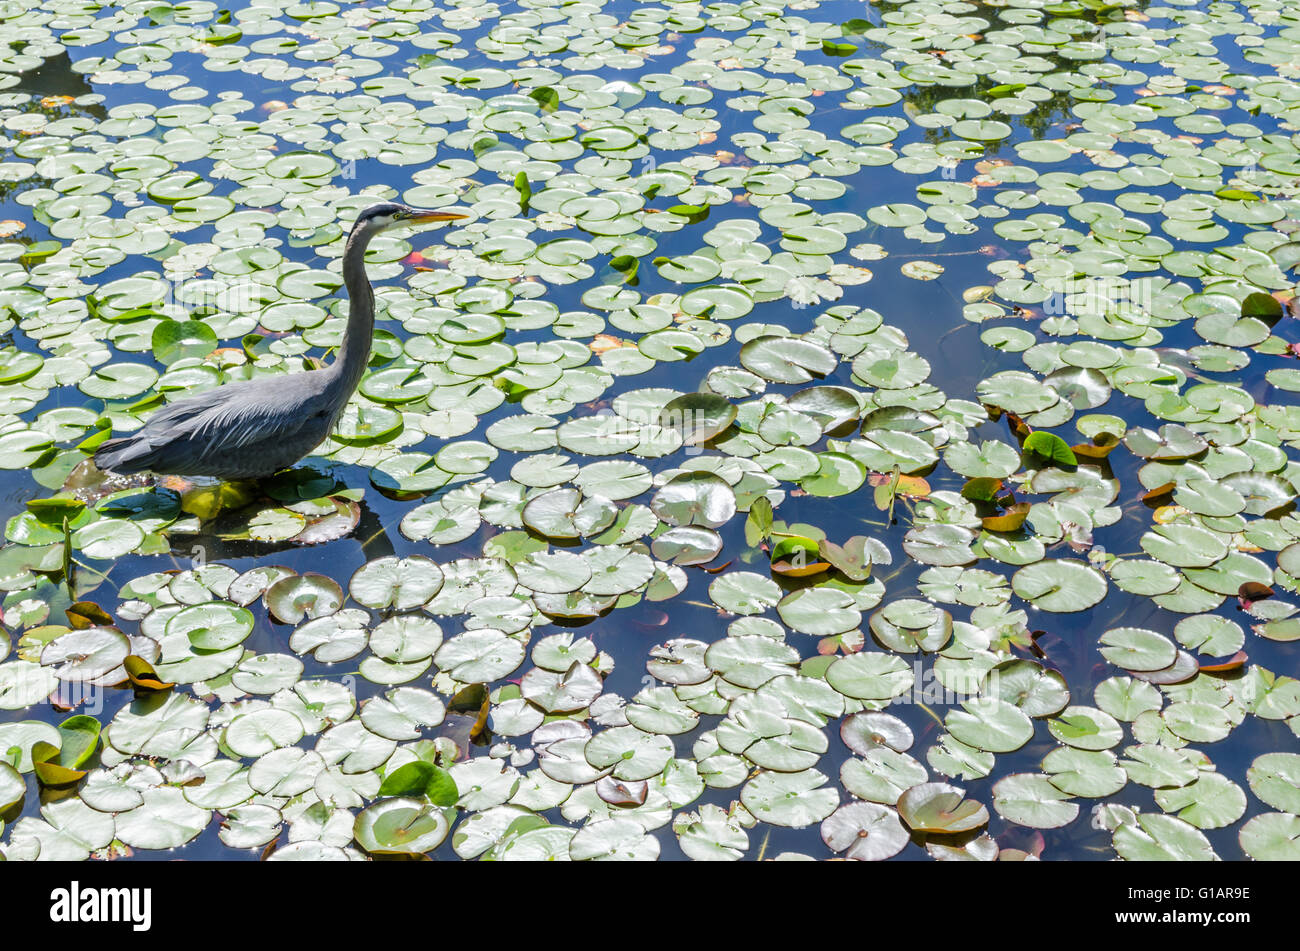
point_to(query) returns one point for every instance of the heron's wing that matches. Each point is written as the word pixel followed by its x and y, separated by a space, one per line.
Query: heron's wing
pixel 263 413
pixel 236 420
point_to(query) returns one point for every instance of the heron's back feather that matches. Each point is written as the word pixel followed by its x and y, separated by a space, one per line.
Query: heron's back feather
pixel 240 430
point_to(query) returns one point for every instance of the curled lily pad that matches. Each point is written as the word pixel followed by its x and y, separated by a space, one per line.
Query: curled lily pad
pixel 939 807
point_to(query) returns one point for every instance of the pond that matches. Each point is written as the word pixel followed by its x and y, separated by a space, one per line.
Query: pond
pixel 835 430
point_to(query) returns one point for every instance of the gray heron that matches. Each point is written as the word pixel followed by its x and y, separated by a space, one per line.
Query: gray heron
pixel 254 428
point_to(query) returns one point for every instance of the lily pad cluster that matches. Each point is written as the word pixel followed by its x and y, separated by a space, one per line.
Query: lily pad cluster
pixel 854 568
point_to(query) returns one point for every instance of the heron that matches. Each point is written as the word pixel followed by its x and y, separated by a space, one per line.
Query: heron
pixel 255 428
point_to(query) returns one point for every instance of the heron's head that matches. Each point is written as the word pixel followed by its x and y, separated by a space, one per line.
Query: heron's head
pixel 389 214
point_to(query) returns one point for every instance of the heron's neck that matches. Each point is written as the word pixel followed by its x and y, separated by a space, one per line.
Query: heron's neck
pixel 354 352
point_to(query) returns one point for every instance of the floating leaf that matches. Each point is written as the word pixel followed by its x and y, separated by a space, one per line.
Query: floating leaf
pixel 939 807
pixel 1051 448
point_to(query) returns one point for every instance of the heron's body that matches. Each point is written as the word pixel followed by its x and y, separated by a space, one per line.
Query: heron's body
pixel 241 430
pixel 254 428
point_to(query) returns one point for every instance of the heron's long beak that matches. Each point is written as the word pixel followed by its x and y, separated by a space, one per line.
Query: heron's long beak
pixel 422 216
